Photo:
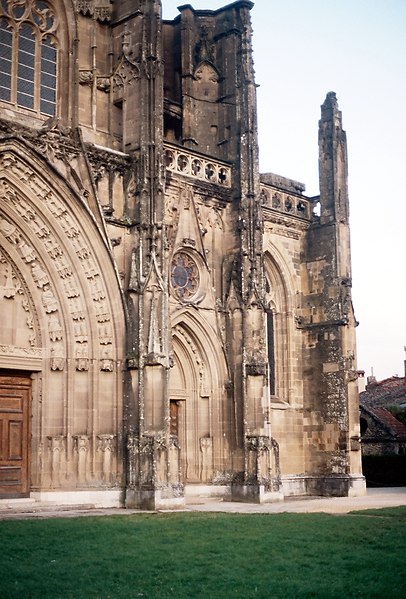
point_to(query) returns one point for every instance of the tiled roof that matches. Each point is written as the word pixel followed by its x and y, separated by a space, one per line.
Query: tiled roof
pixel 396 427
pixel 386 392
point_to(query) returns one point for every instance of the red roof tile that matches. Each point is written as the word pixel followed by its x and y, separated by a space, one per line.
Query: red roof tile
pixel 386 392
pixel 396 428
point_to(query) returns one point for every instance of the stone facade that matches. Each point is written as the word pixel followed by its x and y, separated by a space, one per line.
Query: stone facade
pixel 180 319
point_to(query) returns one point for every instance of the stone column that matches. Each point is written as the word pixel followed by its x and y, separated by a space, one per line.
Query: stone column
pixel 81 446
pixel 57 448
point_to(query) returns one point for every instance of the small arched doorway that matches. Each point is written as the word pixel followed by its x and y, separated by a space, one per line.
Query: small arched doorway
pixel 198 406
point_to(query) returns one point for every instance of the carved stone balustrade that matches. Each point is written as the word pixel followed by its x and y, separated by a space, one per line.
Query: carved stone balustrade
pixel 287 203
pixel 183 162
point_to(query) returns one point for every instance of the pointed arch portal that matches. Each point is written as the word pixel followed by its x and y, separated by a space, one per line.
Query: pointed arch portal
pixel 199 408
pixel 61 317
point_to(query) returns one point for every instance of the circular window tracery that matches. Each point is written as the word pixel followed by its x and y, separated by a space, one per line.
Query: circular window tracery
pixel 184 276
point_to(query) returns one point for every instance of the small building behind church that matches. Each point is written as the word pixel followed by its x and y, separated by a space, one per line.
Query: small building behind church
pixel 383 435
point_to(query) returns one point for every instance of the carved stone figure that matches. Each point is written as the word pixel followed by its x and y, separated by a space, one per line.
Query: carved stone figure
pixel 39 275
pixel 49 301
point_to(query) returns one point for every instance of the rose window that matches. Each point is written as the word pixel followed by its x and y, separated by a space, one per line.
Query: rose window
pixel 184 276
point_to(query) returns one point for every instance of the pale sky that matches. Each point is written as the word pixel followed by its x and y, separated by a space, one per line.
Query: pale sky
pixel 357 48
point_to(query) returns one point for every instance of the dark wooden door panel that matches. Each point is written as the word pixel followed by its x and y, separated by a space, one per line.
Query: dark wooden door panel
pixel 15 395
pixel 9 476
pixel 15 440
pixel 174 417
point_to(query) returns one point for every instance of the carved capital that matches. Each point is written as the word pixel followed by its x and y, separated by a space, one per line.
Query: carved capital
pixel 103 84
pixel 86 77
pixel 57 443
pixel 105 442
pixel 81 443
pixel 258 443
pixel 256 369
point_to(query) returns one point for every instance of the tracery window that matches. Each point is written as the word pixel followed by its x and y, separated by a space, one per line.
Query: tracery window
pixel 184 276
pixel 28 55
pixel 277 332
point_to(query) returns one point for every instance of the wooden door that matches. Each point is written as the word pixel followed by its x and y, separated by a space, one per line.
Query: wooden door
pixel 174 417
pixel 178 429
pixel 15 397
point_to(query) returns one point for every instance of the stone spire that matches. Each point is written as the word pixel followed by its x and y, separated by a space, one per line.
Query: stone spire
pixel 333 169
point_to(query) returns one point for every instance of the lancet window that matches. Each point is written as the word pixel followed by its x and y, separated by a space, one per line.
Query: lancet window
pixel 28 55
pixel 271 351
pixel 277 332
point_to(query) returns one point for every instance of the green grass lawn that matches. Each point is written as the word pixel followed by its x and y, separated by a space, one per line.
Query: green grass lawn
pixel 206 555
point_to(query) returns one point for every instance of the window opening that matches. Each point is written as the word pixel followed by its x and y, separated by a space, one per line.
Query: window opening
pixel 26 66
pixel 48 77
pixel 174 417
pixel 271 351
pixel 6 53
pixel 28 55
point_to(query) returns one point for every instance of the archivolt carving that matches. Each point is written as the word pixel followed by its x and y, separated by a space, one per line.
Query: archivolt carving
pixel 182 333
pixel 106 362
pixel 57 357
pixel 13 289
pixel 55 328
pixel 82 358
pixel 26 251
pixel 9 231
pixel 39 275
pixel 46 237
pixel 9 289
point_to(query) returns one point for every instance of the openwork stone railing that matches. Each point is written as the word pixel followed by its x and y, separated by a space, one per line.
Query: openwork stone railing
pixel 287 203
pixel 179 160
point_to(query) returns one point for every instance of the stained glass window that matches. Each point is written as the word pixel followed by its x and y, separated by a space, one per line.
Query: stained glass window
pixel 26 66
pixel 28 55
pixel 48 77
pixel 6 50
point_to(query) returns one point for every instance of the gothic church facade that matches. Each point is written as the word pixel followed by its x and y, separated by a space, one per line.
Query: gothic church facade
pixel 172 321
